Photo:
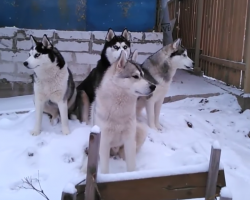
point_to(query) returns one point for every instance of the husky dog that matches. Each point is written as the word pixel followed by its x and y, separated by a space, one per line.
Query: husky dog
pixel 162 65
pixel 54 88
pixel 112 49
pixel 115 110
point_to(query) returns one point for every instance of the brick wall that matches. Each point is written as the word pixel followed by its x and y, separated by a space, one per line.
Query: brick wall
pixel 80 49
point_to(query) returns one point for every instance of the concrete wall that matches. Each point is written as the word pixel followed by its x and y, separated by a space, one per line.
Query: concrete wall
pixel 80 49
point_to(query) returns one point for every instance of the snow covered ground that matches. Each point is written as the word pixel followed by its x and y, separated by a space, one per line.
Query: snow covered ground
pixel 178 148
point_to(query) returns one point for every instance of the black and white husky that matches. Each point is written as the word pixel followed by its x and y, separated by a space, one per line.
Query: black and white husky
pixel 162 65
pixel 113 47
pixel 54 88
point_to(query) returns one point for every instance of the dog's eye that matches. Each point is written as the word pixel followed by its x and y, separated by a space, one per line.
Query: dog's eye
pixel 36 55
pixel 116 47
pixel 125 47
pixel 136 76
pixel 184 55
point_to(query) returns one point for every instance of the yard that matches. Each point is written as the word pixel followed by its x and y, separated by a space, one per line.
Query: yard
pixel 190 126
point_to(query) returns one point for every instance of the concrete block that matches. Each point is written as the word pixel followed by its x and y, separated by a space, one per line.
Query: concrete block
pixel 146 47
pixel 24 44
pixel 97 47
pixel 80 69
pixel 86 58
pixel 99 35
pixel 14 57
pixel 136 36
pixel 7 67
pixel 38 33
pixel 23 70
pixel 24 78
pixel 6 43
pixel 76 35
pixel 141 58
pixel 68 56
pixel 72 46
pixel 153 36
pixel 8 32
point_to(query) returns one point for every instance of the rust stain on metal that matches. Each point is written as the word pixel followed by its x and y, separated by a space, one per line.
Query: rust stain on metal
pixel 63 8
pixel 81 10
pixel 11 3
pixel 125 6
pixel 35 6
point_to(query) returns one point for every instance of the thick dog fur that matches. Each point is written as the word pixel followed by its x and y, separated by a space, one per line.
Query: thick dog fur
pixel 54 88
pixel 112 48
pixel 162 65
pixel 115 111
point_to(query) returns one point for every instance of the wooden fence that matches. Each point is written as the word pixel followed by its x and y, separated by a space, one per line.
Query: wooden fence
pixel 223 31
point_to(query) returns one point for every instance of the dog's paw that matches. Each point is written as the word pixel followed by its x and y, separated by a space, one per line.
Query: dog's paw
pixel 54 121
pixel 34 132
pixel 159 127
pixel 66 131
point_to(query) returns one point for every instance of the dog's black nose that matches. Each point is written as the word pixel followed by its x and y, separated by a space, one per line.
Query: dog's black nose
pixel 152 87
pixel 25 63
pixel 193 63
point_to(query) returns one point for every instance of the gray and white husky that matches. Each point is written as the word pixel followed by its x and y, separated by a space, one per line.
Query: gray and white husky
pixel 162 65
pixel 54 88
pixel 113 46
pixel 115 110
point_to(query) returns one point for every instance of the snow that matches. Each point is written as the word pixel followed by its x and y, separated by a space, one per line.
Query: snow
pixel 177 149
pixel 216 145
pixel 16 104
pixel 203 167
pixel 69 188
pixel 225 192
pixel 95 129
pixel 186 84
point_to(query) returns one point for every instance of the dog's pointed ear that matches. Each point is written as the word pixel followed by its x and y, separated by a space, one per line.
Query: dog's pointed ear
pixel 33 40
pixel 110 35
pixel 46 43
pixel 126 34
pixel 122 60
pixel 134 55
pixel 176 43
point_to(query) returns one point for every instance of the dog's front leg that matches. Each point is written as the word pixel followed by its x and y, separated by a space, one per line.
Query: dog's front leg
pixel 63 109
pixel 130 153
pixel 157 113
pixel 104 153
pixel 39 106
pixel 150 104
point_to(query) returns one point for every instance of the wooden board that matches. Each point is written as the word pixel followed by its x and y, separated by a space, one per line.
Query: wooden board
pixel 185 186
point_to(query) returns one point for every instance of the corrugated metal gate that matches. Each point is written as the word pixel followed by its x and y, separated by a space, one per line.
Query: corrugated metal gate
pixel 82 15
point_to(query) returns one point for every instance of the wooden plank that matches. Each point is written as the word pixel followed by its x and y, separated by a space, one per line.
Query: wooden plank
pixel 68 196
pixel 184 186
pixel 213 170
pixel 198 35
pixel 225 198
pixel 93 155
pixel 247 52
pixel 224 62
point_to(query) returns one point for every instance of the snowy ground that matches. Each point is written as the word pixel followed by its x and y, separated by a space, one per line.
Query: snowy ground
pixel 58 158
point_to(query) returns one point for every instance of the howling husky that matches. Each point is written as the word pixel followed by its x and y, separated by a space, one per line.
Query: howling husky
pixel 162 65
pixel 54 88
pixel 115 110
pixel 112 49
